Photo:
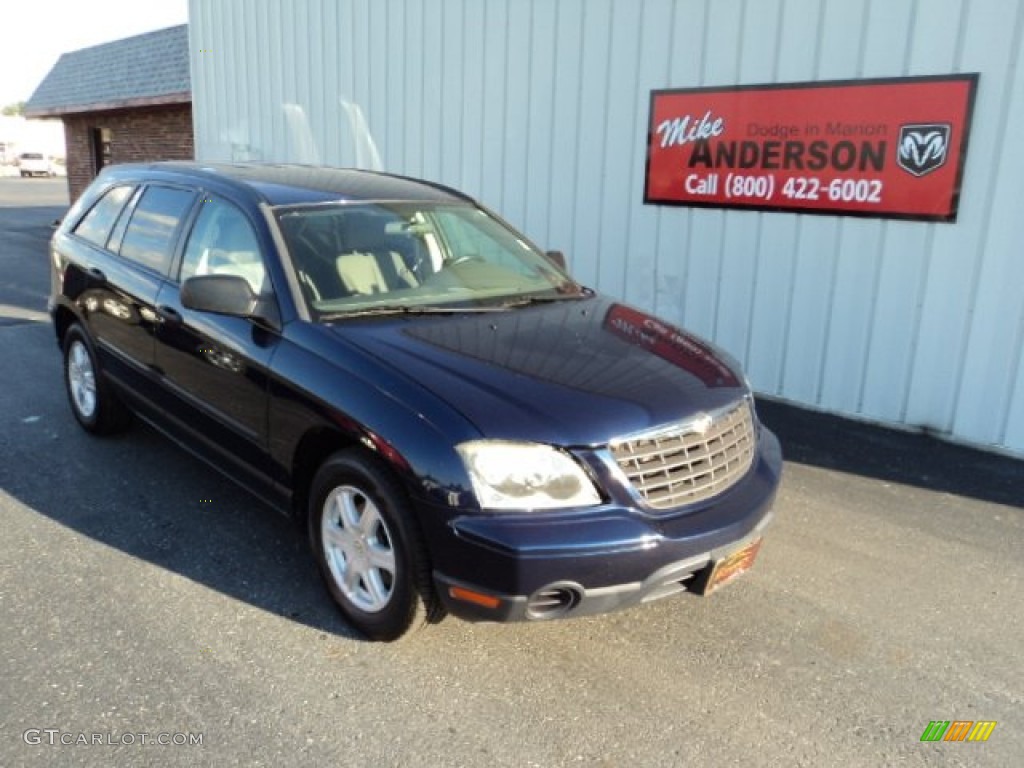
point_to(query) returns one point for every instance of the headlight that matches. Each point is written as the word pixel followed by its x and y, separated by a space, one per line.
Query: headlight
pixel 509 475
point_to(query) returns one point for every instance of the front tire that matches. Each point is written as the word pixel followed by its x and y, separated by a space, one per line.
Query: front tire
pixel 368 548
pixel 92 402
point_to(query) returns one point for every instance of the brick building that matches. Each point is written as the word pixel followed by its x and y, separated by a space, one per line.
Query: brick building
pixel 125 101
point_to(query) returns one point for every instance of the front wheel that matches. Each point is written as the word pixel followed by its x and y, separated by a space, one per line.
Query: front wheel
pixel 369 549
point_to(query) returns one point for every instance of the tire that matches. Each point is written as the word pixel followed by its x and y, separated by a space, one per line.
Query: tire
pixel 94 405
pixel 24 174
pixel 369 549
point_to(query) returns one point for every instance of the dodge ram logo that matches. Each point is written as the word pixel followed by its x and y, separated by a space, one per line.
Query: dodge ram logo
pixel 923 148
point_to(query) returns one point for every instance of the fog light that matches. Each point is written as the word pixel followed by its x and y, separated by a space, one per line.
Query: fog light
pixel 553 601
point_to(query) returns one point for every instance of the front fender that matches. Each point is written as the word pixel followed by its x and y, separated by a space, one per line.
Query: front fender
pixel 320 382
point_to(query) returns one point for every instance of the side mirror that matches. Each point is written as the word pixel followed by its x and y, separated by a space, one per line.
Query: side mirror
pixel 220 294
pixel 558 259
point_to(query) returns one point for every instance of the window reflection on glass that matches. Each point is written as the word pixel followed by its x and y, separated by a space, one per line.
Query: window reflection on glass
pixel 97 223
pixel 151 229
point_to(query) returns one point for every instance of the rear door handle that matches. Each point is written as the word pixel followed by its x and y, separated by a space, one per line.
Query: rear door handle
pixel 169 314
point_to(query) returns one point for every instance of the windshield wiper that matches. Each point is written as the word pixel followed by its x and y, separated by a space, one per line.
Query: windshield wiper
pixel 526 301
pixel 406 309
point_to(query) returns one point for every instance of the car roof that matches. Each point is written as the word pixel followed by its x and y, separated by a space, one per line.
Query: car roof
pixel 287 184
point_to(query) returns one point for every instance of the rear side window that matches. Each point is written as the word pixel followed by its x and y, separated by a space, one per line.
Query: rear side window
pixel 149 238
pixel 97 223
pixel 117 234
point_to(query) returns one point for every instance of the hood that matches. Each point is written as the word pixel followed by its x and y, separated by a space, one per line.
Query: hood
pixel 571 373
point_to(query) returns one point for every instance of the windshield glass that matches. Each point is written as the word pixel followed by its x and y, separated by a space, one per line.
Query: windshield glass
pixel 413 256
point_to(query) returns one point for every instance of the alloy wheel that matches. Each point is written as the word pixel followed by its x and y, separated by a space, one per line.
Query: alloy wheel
pixel 82 379
pixel 358 549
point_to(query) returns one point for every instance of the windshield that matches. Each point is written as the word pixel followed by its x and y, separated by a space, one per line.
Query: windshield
pixel 358 258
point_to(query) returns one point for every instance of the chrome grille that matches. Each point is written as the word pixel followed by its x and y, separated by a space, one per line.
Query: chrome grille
pixel 683 465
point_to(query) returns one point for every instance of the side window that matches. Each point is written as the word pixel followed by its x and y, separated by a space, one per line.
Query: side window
pixel 222 242
pixel 95 226
pixel 117 235
pixel 150 234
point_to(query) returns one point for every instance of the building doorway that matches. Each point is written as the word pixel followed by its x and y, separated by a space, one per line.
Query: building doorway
pixel 101 139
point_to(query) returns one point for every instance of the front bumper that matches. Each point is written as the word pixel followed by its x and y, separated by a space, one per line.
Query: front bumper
pixel 530 567
pixel 564 598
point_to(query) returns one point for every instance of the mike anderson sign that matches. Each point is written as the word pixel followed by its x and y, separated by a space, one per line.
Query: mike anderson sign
pixel 889 148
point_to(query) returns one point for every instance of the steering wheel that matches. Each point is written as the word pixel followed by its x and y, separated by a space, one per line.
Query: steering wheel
pixel 463 259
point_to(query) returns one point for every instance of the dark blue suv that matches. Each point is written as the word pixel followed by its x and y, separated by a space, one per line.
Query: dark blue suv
pixel 460 425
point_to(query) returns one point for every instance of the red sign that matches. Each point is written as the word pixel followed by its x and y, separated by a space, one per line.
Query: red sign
pixel 889 148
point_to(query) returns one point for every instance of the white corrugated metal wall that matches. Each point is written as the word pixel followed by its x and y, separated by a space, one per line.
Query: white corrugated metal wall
pixel 539 109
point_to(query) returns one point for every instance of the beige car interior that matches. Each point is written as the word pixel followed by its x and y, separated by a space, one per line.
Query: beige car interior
pixel 228 247
pixel 350 255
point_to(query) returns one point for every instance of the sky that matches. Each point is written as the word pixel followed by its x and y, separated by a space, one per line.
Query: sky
pixel 34 33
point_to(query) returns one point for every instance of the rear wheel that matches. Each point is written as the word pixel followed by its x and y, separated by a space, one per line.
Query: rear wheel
pixel 369 549
pixel 95 406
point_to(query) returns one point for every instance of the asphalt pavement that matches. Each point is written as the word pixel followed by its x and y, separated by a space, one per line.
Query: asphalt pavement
pixel 142 594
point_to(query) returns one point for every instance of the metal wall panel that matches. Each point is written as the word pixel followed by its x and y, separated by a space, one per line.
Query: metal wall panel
pixel 539 109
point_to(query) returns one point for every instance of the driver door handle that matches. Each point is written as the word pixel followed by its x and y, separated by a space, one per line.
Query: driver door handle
pixel 169 314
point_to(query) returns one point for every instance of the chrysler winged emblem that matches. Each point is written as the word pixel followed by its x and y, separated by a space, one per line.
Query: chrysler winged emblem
pixel 923 148
pixel 701 424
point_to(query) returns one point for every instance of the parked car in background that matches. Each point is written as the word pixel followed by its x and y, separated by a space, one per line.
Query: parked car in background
pixel 459 424
pixel 58 166
pixel 34 164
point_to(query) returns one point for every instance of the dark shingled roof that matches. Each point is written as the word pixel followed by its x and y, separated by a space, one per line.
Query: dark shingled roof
pixel 143 70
